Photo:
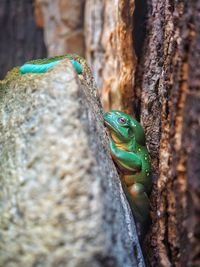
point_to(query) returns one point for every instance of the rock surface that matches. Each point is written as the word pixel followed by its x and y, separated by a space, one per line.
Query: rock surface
pixel 61 199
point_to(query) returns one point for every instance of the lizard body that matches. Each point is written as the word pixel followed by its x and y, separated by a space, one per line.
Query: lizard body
pixel 129 152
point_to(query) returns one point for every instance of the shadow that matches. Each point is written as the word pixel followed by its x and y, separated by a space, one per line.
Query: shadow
pixel 139 26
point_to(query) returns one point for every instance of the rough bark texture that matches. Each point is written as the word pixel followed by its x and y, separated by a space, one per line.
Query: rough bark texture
pixel 63 25
pixel 21 39
pixel 61 199
pixel 167 87
pixel 109 51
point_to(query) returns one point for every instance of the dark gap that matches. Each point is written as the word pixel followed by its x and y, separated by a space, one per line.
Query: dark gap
pixel 166 234
pixel 139 34
pixel 139 26
pixel 137 108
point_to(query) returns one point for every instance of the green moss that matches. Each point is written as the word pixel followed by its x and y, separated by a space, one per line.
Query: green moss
pixel 13 73
pixel 51 59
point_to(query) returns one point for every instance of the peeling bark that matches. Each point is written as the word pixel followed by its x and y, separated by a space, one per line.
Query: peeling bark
pixel 109 51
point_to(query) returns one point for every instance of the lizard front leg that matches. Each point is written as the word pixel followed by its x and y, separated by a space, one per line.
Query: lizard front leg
pixel 128 161
pixel 138 199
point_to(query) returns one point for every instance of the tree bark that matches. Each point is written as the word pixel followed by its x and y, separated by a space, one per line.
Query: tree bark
pixel 166 101
pixel 167 86
pixel 21 39
pixel 109 51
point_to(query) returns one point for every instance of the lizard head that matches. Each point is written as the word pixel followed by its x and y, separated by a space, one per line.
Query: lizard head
pixel 123 127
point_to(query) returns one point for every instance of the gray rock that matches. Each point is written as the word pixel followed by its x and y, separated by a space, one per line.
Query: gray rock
pixel 61 201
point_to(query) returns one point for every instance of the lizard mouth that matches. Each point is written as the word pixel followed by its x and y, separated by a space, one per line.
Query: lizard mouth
pixel 111 129
pixel 109 126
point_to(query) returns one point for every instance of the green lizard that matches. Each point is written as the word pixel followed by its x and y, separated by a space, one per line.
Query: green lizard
pixel 129 152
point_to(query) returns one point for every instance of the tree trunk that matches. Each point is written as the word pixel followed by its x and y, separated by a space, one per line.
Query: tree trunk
pixel 21 39
pixel 167 86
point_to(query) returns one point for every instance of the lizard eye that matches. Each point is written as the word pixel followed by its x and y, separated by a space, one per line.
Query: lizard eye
pixel 121 120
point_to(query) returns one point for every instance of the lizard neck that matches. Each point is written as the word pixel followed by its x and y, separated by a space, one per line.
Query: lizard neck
pixel 129 146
